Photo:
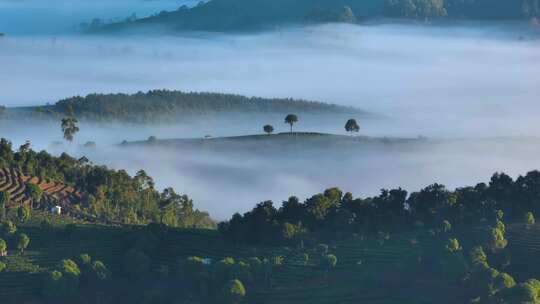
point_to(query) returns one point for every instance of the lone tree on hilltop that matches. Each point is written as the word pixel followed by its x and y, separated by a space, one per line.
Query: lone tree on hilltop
pixel 268 129
pixel 291 119
pixel 352 126
pixel 69 127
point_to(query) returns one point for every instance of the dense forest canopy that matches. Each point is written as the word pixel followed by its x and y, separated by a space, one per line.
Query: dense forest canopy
pixel 334 213
pixel 225 15
pixel 168 106
pixel 109 195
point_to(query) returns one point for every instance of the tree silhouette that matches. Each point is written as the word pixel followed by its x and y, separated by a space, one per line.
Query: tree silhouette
pixel 352 126
pixel 291 119
pixel 69 128
pixel 268 129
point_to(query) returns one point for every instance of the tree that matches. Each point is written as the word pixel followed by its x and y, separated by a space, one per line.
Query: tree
pixel 352 126
pixel 268 129
pixel 22 242
pixel 234 291
pixel 347 15
pixel 529 219
pixel 291 119
pixel 3 248
pixel 478 256
pixel 4 201
pixel 34 192
pixel 100 272
pixel 8 228
pixel 453 246
pixel 2 266
pixel 328 262
pixel 23 214
pixel 69 127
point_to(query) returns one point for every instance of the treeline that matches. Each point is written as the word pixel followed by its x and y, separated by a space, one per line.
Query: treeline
pixel 109 195
pixel 168 106
pixel 232 15
pixel 470 9
pixel 333 214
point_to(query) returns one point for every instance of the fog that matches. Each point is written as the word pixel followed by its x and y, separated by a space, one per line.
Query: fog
pixel 471 88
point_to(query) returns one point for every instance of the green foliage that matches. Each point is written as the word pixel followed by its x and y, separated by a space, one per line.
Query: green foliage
pixel 268 129
pixel 34 192
pixel 22 242
pixel 478 256
pixel 529 218
pixel 109 195
pixel 497 240
pixel 234 291
pixel 159 106
pixel 453 246
pixel 291 119
pixel 416 8
pixel 23 214
pixel 2 266
pixel 54 287
pixel 4 201
pixel 101 272
pixel 352 126
pixel 446 226
pixel 504 281
pixel 69 127
pixel 8 229
pixel 3 247
pixel 328 262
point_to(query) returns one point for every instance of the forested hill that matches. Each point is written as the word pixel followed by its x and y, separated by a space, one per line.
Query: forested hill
pixel 166 106
pixel 232 15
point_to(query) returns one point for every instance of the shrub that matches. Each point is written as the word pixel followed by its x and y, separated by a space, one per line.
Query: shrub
pixel 234 291
pixel 22 242
pixel 529 218
pixel 23 214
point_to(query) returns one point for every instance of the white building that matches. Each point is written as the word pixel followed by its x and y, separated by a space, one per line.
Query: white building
pixel 56 210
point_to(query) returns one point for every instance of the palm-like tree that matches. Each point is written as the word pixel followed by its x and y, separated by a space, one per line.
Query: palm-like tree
pixel 291 119
pixel 69 128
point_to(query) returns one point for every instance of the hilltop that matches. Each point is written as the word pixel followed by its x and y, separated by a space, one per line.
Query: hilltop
pixel 162 106
pixel 242 15
pixel 270 142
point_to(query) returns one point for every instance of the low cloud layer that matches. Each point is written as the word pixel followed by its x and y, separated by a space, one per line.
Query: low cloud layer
pixel 468 82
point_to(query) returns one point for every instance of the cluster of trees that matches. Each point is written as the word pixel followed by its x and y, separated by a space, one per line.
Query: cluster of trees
pixel 344 15
pixel 66 282
pixel 474 9
pixel 231 278
pixel 10 238
pixel 225 15
pixel 163 105
pixel 109 195
pixel 350 126
pixel 334 213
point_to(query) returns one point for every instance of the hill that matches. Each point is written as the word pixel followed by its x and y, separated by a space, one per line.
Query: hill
pixel 241 15
pixel 264 142
pixel 168 106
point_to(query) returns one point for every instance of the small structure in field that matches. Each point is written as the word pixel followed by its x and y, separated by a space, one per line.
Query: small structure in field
pixel 56 210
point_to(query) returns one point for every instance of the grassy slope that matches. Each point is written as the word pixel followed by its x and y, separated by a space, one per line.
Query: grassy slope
pixel 260 140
